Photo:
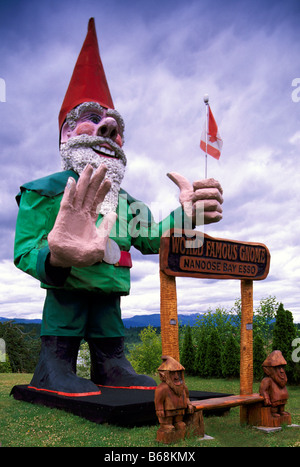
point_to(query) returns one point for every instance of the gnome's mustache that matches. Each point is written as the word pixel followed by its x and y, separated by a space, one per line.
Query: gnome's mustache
pixel 100 145
pixel 81 150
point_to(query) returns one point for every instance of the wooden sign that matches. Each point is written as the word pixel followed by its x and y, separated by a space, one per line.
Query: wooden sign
pixel 194 254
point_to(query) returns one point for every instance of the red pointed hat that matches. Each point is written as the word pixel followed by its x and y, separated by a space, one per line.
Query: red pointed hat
pixel 88 82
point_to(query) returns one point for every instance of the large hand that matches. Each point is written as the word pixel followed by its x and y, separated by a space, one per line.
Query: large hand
pixel 203 195
pixel 74 239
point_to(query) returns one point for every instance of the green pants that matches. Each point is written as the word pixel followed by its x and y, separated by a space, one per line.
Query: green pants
pixel 81 314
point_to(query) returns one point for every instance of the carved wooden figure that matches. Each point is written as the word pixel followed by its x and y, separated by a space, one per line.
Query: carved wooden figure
pixel 274 391
pixel 171 401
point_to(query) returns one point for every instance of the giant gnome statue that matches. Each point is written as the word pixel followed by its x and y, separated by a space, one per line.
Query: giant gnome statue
pixel 73 235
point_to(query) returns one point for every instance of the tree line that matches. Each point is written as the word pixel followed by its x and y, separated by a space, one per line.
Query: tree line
pixel 210 348
pixel 21 346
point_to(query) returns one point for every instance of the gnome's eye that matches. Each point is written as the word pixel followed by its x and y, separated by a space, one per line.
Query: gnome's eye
pixel 94 118
pixel 90 117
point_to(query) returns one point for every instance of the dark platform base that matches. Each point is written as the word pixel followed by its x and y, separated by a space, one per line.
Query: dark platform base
pixel 117 406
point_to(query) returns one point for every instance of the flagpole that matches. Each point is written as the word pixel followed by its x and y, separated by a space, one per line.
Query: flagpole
pixel 206 100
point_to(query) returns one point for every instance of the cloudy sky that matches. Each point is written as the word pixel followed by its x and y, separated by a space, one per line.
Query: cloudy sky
pixel 160 59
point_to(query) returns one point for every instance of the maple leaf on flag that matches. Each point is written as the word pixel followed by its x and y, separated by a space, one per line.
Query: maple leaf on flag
pixel 214 141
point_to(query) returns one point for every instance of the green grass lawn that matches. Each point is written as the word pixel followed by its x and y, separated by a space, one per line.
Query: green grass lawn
pixel 28 425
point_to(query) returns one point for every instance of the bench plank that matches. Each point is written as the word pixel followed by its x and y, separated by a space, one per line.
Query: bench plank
pixel 229 401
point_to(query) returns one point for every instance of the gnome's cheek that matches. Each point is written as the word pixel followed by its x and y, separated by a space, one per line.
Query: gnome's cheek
pixel 119 140
pixel 84 128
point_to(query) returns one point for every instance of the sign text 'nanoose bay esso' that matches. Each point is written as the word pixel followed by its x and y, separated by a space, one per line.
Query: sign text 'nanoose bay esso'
pixel 194 254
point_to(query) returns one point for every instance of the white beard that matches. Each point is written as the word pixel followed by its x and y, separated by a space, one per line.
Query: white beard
pixel 77 152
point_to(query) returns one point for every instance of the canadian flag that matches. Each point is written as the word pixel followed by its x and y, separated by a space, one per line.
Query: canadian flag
pixel 214 141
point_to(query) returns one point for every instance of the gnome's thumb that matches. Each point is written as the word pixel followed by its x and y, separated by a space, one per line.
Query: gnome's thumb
pixel 186 191
pixel 182 183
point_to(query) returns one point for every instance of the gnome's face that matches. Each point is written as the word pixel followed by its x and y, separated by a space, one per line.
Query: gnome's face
pixel 93 135
pixel 174 379
pixel 277 373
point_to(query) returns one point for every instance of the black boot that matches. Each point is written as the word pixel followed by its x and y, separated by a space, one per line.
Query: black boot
pixel 109 366
pixel 56 369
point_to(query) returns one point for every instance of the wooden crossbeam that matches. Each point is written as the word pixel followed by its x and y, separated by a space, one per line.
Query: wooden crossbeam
pixel 227 402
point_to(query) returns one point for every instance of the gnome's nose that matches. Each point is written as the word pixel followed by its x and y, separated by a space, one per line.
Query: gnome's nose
pixel 108 128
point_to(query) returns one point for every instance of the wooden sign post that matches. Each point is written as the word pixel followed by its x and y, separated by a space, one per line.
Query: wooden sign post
pixel 194 254
pixel 168 316
pixel 246 362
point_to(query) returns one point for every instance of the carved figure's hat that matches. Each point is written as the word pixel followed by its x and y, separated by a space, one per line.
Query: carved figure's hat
pixel 274 359
pixel 170 364
pixel 88 82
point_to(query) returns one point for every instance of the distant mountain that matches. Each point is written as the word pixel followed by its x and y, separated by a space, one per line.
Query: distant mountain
pixel 154 320
pixel 140 321
pixel 21 321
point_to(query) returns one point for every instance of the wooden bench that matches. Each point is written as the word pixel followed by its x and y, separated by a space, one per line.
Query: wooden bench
pixel 250 404
pixel 227 402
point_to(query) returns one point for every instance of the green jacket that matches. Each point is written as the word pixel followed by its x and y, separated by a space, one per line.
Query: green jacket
pixel 39 203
